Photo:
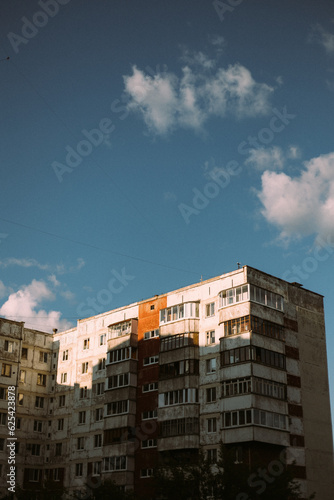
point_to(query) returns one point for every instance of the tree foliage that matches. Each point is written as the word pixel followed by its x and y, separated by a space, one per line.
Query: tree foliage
pixel 226 480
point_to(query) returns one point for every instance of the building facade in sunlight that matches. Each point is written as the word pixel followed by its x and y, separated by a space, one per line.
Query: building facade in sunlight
pixel 240 358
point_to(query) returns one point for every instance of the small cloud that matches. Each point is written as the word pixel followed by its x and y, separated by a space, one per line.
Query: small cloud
pixel 293 153
pixel 169 196
pixel 217 41
pixel 279 80
pixel 52 278
pixel 266 158
pixel 67 295
pixel 322 37
pixel 193 58
pixel 330 85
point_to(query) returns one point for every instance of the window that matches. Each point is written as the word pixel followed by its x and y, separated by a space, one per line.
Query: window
pixel 269 419
pixel 97 468
pixel 179 340
pixel 178 397
pixel 34 475
pixel 23 375
pixel 20 398
pixel 120 329
pixel 211 365
pixel 86 344
pixel 79 470
pixel 103 339
pixel 267 298
pixel 122 354
pixel 62 400
pixel 6 370
pixel 237 418
pixel 18 423
pixel 210 309
pixel 253 353
pixel 102 364
pixel 43 357
pixel 98 414
pixel 97 440
pixel 38 426
pixel 39 402
pixel 211 424
pixel 151 360
pixel 3 418
pixel 65 355
pixel 211 455
pixel 82 417
pixel 114 463
pixel 80 443
pixel 63 378
pixel 178 368
pixel 84 367
pixel 59 449
pixel 147 415
pixel 187 310
pixel 3 392
pixel 9 346
pixel 149 443
pixel 24 354
pixel 233 296
pixel 179 427
pixel 98 389
pixel 2 444
pixel 118 407
pixel 210 337
pixel 83 392
pixel 146 473
pixel 60 424
pixel 152 307
pixel 41 379
pixel 236 386
pixel 153 386
pixel 151 334
pixel 118 380
pixel 211 395
pixel 236 326
pixel 36 449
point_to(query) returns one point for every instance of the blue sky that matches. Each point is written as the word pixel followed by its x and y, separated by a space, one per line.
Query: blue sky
pixel 147 144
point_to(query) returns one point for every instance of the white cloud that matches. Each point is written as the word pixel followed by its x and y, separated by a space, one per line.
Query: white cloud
pixel 193 58
pixel 54 280
pixel 294 152
pixel 67 295
pixel 301 205
pixel 166 102
pixel 26 263
pixel 321 36
pixel 24 304
pixel 12 261
pixel 3 290
pixel 266 159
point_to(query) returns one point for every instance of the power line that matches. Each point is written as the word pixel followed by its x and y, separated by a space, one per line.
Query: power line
pixel 89 245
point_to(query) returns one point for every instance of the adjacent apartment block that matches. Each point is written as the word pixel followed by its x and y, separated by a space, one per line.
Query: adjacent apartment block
pixel 240 358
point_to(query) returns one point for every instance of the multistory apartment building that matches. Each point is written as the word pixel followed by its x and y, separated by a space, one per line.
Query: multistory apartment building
pixel 240 358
